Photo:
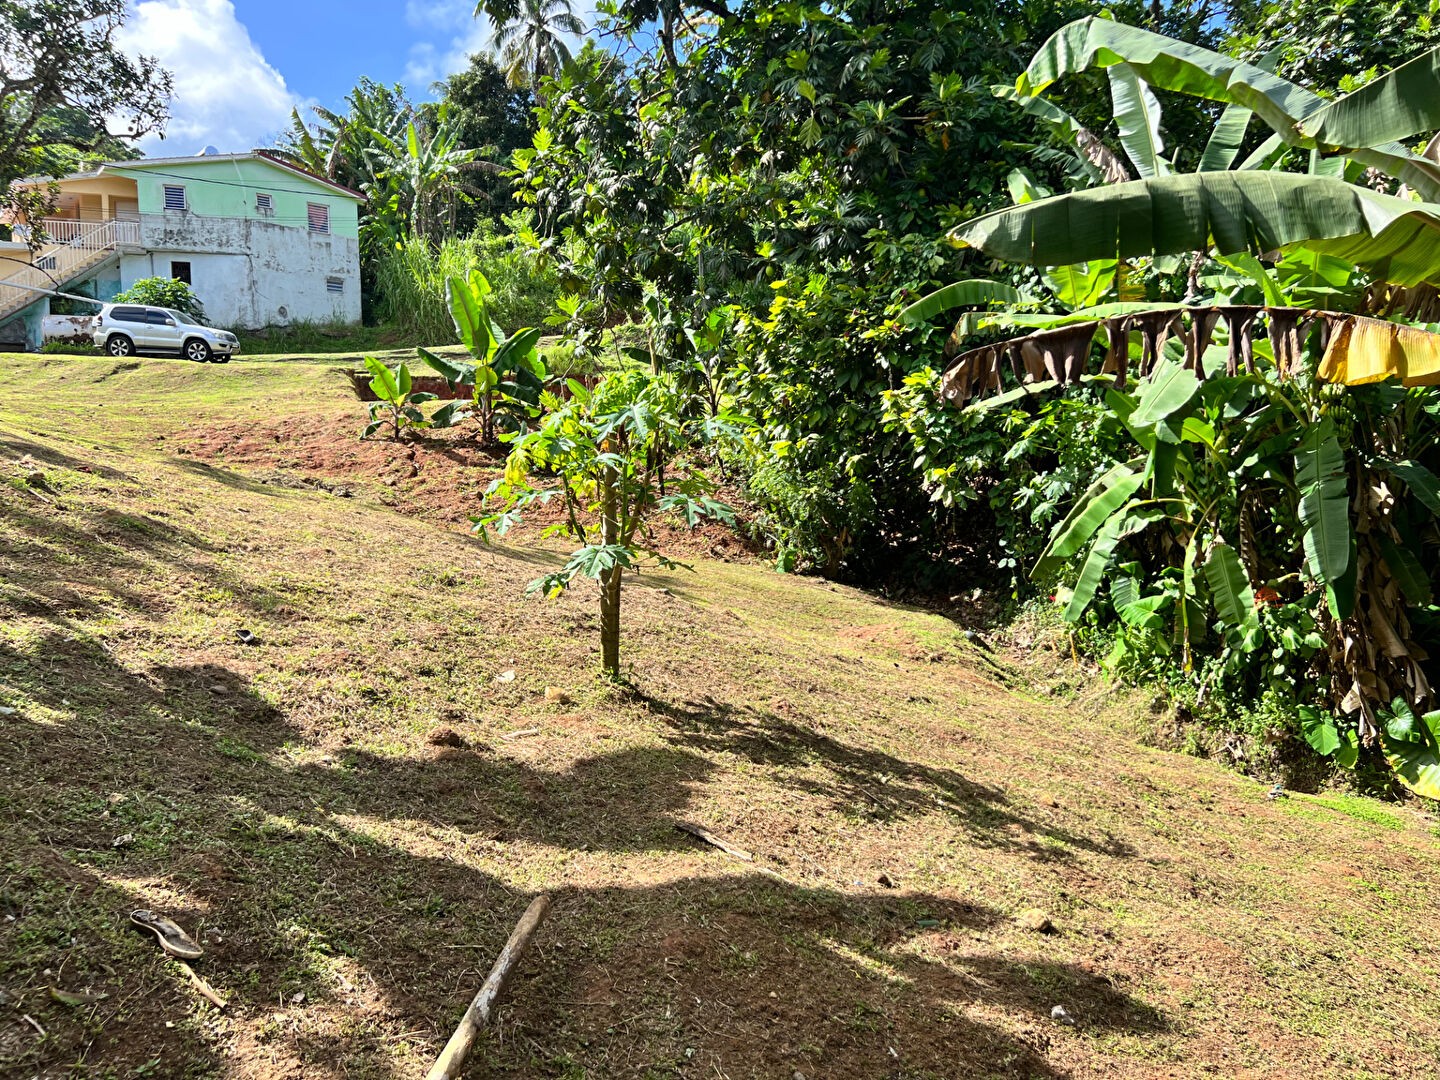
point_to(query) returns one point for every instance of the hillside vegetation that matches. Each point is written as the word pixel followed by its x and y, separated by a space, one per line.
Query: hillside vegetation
pixel 350 813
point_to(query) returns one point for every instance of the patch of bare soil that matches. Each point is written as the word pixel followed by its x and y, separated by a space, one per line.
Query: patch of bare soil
pixel 439 476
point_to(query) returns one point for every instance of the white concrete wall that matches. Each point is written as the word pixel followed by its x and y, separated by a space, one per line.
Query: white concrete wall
pixel 250 273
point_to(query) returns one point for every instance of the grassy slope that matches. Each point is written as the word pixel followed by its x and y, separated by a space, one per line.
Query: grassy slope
pixel 352 881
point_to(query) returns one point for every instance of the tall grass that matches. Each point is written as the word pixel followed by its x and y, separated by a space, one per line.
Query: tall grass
pixel 410 284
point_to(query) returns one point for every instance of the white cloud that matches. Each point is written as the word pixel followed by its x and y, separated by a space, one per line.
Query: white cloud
pixel 226 93
pixel 450 34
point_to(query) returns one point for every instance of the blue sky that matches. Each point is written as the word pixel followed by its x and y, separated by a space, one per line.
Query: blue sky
pixel 240 66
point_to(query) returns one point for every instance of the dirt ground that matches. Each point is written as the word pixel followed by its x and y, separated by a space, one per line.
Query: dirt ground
pixel 440 476
pixel 943 855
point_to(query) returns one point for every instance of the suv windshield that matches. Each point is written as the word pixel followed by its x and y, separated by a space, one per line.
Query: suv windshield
pixel 181 318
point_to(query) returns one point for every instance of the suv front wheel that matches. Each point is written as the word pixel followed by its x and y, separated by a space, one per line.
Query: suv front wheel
pixel 197 350
pixel 119 345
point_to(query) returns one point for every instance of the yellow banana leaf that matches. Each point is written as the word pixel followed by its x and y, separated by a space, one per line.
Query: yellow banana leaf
pixel 1365 350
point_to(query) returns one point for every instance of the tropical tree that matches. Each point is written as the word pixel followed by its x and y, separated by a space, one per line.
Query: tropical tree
pixel 67 89
pixel 1258 486
pixel 1333 46
pixel 612 457
pixel 420 177
pixel 334 144
pixel 488 114
pixel 531 45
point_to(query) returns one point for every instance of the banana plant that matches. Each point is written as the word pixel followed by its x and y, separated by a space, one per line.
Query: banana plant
pixel 1364 126
pixel 1224 209
pixel 398 406
pixel 508 374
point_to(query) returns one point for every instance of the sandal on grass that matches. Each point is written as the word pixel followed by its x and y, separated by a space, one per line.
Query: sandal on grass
pixel 172 939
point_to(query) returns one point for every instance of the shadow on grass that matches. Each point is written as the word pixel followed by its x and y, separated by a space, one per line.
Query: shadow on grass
pixel 18 446
pixel 336 924
pixel 71 559
pixel 865 781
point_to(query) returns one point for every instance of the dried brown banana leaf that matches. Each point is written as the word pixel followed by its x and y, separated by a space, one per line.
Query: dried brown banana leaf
pixel 1197 337
pixel 1240 322
pixel 1117 356
pixel 1155 327
pixel 1033 360
pixel 1066 350
pixel 1287 332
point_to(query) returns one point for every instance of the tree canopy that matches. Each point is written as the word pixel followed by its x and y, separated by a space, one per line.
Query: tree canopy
pixel 67 91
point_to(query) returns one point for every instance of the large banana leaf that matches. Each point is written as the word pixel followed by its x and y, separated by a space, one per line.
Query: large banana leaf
pixel 1399 104
pixel 1372 350
pixel 1169 65
pixel 1225 139
pixel 1423 483
pixel 1231 212
pixel 968 293
pixel 1082 285
pixel 1230 588
pixel 1090 512
pixel 1121 524
pixel 1170 388
pixel 1137 116
pixel 1324 505
pixel 1176 66
pixel 1413 749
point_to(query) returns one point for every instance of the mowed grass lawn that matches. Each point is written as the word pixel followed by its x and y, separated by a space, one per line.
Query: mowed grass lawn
pixel 910 806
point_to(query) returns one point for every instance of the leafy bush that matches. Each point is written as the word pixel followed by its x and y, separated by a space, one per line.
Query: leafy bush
pixel 411 277
pixel 814 517
pixel 162 292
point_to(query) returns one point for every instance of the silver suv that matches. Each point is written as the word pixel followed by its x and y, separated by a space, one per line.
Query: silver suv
pixel 130 329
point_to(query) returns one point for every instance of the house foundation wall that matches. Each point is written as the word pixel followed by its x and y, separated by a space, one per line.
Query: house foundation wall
pixel 251 274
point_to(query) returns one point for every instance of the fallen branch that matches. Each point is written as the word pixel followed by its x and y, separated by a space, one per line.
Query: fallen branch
pixel 523 733
pixel 452 1058
pixel 714 841
pixel 206 990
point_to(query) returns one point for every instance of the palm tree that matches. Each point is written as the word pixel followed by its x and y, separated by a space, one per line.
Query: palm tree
pixel 530 45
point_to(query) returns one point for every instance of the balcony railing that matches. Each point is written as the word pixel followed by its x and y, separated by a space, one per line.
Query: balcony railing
pixel 87 235
pixel 72 249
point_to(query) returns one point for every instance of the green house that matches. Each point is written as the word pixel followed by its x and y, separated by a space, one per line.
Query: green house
pixel 261 242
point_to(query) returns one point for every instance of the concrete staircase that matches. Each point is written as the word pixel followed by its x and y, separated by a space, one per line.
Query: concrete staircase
pixel 75 247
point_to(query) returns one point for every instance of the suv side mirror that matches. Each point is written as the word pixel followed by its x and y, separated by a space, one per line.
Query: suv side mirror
pixel 169 322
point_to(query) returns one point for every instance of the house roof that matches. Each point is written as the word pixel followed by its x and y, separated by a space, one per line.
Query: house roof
pixel 142 164
pixel 264 156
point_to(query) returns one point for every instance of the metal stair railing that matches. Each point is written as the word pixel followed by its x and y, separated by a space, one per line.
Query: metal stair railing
pixel 76 247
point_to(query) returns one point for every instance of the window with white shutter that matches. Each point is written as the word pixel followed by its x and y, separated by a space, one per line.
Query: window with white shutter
pixel 318 215
pixel 264 204
pixel 335 284
pixel 175 197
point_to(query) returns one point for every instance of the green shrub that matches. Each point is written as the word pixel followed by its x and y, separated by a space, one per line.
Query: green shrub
pixel 162 292
pixel 813 518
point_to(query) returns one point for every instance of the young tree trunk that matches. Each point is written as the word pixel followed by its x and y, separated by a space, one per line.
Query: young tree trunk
pixel 610 623
pixel 610 580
